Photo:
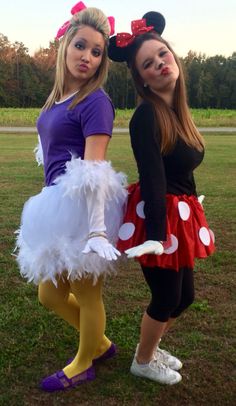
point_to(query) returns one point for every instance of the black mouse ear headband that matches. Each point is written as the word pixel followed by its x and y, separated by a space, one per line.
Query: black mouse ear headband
pixel 120 45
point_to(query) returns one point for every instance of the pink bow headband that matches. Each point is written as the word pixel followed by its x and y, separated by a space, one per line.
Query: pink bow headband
pixel 76 9
pixel 138 27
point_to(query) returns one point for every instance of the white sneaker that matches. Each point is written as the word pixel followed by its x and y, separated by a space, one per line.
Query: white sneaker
pixel 156 371
pixel 167 359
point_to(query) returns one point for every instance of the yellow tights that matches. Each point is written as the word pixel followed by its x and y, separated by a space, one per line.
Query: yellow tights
pixel 79 303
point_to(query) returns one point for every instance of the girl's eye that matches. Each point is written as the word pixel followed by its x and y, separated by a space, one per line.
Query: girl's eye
pixel 79 45
pixel 147 64
pixel 96 52
pixel 162 53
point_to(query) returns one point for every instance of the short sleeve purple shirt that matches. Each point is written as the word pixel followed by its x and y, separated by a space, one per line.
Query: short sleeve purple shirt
pixel 63 132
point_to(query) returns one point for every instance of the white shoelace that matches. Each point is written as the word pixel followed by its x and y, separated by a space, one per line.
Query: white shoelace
pixel 156 364
pixel 162 354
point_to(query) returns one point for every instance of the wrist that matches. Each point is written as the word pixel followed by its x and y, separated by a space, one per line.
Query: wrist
pixel 94 234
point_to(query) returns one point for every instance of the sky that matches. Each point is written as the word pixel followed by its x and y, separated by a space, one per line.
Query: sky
pixel 203 26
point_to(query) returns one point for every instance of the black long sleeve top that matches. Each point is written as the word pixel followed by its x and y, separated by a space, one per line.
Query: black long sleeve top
pixel 160 174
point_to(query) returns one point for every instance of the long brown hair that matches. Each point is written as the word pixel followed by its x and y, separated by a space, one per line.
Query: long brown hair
pixel 172 122
pixel 96 19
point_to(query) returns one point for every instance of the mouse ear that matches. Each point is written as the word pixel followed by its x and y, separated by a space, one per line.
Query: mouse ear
pixel 121 54
pixel 155 19
pixel 116 53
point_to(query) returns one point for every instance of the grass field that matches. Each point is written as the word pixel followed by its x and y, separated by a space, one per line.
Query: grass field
pixel 35 343
pixel 202 117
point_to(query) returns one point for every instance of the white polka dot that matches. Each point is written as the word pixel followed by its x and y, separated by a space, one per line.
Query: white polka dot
pixel 204 236
pixel 184 210
pixel 174 245
pixel 139 209
pixel 212 235
pixel 126 231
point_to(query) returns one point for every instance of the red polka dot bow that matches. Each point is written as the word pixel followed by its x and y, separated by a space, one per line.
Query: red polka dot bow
pixel 76 9
pixel 138 27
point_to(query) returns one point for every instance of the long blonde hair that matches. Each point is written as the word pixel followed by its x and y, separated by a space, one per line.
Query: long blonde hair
pixel 92 17
pixel 175 122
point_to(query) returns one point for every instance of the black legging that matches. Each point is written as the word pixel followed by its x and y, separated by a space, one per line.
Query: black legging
pixel 172 292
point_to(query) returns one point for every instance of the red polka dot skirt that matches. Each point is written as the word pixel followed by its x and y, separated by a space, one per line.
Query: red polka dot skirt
pixel 188 234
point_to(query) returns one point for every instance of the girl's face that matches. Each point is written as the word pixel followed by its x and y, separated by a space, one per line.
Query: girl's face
pixel 84 55
pixel 157 66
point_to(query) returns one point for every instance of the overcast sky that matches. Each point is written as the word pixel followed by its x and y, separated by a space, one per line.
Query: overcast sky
pixel 206 26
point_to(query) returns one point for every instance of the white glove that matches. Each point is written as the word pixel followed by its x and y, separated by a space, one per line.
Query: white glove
pixel 38 151
pixel 148 247
pixel 102 247
pixel 201 198
pixel 97 241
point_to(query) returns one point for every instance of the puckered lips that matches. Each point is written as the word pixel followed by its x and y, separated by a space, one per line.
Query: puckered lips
pixel 83 67
pixel 165 71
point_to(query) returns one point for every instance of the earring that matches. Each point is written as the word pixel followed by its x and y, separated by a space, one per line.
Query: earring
pixel 145 85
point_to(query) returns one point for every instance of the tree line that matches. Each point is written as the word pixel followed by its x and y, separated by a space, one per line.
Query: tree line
pixel 25 81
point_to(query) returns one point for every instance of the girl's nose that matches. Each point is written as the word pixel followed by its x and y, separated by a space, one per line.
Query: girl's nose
pixel 85 56
pixel 159 64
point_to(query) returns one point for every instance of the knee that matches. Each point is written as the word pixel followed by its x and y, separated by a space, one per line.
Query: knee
pixel 186 301
pixel 43 296
pixel 86 292
pixel 189 298
pixel 47 296
pixel 161 310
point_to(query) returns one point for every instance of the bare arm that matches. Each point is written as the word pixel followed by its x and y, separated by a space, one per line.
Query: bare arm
pixel 96 147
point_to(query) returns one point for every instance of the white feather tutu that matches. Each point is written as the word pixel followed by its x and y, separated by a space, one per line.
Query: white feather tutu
pixel 54 225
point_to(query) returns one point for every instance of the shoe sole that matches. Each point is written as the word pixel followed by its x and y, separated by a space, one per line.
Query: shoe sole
pixel 177 380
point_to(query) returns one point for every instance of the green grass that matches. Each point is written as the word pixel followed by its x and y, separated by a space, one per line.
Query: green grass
pixel 214 117
pixel 202 117
pixel 35 343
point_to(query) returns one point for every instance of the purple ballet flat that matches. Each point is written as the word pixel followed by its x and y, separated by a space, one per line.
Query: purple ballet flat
pixel 59 380
pixel 111 352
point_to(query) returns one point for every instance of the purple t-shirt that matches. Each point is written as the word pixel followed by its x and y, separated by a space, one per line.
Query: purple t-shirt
pixel 63 132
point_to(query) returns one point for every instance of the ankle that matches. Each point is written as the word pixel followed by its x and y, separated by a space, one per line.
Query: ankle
pixel 142 360
pixel 102 349
pixel 143 354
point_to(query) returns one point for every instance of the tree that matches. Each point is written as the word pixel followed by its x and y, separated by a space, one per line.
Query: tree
pixel 25 81
pixel 193 65
pixel 120 86
pixel 44 62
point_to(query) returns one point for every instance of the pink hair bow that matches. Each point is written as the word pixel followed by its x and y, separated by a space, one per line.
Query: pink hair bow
pixel 62 29
pixel 112 24
pixel 138 27
pixel 76 9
